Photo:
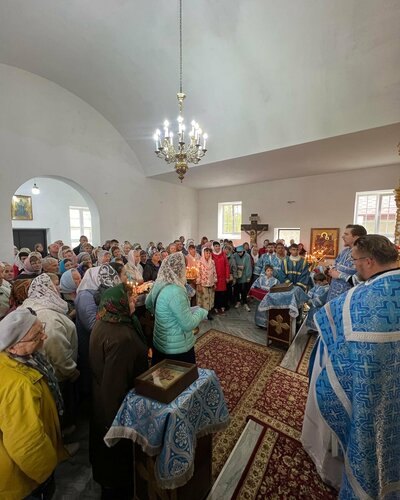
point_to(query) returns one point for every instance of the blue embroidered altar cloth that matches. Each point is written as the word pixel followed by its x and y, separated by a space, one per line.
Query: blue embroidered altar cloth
pixel 292 300
pixel 170 430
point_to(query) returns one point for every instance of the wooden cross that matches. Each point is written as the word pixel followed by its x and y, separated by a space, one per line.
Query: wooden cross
pixel 253 229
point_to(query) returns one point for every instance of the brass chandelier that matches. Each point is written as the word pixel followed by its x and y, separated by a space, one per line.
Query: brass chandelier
pixel 190 146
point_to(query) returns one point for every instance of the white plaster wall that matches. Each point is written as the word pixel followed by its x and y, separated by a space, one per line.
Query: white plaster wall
pixel 320 201
pixel 50 208
pixel 47 131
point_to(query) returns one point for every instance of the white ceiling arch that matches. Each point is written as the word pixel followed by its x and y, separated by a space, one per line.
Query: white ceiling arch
pixel 260 75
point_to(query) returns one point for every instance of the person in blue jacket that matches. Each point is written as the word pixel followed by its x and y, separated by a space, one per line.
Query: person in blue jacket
pixel 174 320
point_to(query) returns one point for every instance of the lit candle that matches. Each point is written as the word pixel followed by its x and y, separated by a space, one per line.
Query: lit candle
pixel 155 137
pixel 166 124
pixel 205 137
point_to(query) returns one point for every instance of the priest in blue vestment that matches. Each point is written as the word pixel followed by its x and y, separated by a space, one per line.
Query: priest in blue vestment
pixel 351 425
pixel 343 273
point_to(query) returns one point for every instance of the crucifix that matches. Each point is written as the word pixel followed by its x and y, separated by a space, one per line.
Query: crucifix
pixel 253 229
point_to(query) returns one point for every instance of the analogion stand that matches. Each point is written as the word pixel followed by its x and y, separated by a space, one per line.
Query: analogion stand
pixel 173 453
pixel 278 313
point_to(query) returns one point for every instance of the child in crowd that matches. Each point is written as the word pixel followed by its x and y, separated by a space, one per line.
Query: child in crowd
pixel 263 283
pixel 318 295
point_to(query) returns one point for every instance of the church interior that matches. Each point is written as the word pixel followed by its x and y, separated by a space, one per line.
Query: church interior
pixel 301 104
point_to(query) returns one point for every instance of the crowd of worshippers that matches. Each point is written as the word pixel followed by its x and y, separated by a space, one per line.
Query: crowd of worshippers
pixel 73 339
pixel 224 273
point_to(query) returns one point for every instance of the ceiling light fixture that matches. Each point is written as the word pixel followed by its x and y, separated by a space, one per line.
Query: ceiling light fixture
pixel 35 189
pixel 182 154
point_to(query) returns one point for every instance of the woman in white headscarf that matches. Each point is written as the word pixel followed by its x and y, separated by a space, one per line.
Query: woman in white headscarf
pixel 21 256
pixel 61 345
pixel 31 267
pixel 134 270
pixel 174 320
pixel 30 401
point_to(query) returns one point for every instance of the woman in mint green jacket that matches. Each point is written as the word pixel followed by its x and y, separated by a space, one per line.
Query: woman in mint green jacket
pixel 174 319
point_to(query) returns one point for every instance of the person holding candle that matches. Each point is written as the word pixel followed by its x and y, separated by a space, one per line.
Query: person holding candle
pixel 192 257
pixel 118 354
pixel 133 268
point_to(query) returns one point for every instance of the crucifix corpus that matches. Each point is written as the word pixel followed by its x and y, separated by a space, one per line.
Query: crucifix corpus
pixel 253 229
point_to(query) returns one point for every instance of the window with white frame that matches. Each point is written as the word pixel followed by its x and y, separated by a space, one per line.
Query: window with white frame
pixel 229 220
pixel 376 211
pixel 80 223
pixel 287 234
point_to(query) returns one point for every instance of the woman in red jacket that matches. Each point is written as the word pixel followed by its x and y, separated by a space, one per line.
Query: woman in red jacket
pixel 223 272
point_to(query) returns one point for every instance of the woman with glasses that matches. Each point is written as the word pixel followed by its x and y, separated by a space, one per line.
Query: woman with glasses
pixel 30 405
pixel 61 344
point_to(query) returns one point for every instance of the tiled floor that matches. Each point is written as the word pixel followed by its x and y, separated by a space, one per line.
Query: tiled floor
pixel 73 478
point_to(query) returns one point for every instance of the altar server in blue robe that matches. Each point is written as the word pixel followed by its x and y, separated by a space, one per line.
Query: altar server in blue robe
pixel 269 258
pixel 318 295
pixel 351 425
pixel 344 272
pixel 294 269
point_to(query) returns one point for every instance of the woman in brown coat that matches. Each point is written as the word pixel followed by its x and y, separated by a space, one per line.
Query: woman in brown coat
pixel 117 354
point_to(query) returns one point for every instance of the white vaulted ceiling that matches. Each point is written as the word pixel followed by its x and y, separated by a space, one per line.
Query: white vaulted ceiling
pixel 284 88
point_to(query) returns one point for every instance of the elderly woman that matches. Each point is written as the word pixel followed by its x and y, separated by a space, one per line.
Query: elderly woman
pixel 69 282
pixel 83 257
pixel 118 354
pixel 50 265
pixel 174 320
pixel 133 268
pixel 8 273
pixel 19 293
pixel 103 257
pixel 61 345
pixel 30 436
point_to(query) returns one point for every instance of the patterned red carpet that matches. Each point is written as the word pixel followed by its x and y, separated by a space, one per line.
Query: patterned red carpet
pixel 243 369
pixel 280 469
pixel 256 387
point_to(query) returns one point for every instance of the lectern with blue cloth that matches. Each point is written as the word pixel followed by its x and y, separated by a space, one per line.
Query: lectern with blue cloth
pixel 277 312
pixel 171 433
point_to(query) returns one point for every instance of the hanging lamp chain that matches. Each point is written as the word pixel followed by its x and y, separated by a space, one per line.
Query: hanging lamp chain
pixel 180 46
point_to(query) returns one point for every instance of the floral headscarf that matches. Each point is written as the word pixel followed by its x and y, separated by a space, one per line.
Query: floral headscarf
pixel 108 276
pixel 19 292
pixel 173 270
pixel 43 294
pixel 27 264
pixel 208 264
pixel 114 308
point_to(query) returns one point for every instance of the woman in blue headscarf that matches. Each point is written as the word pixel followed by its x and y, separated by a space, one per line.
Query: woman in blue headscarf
pixel 69 282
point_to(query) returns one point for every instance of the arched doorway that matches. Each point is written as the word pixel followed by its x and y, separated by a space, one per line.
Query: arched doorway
pixel 62 210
